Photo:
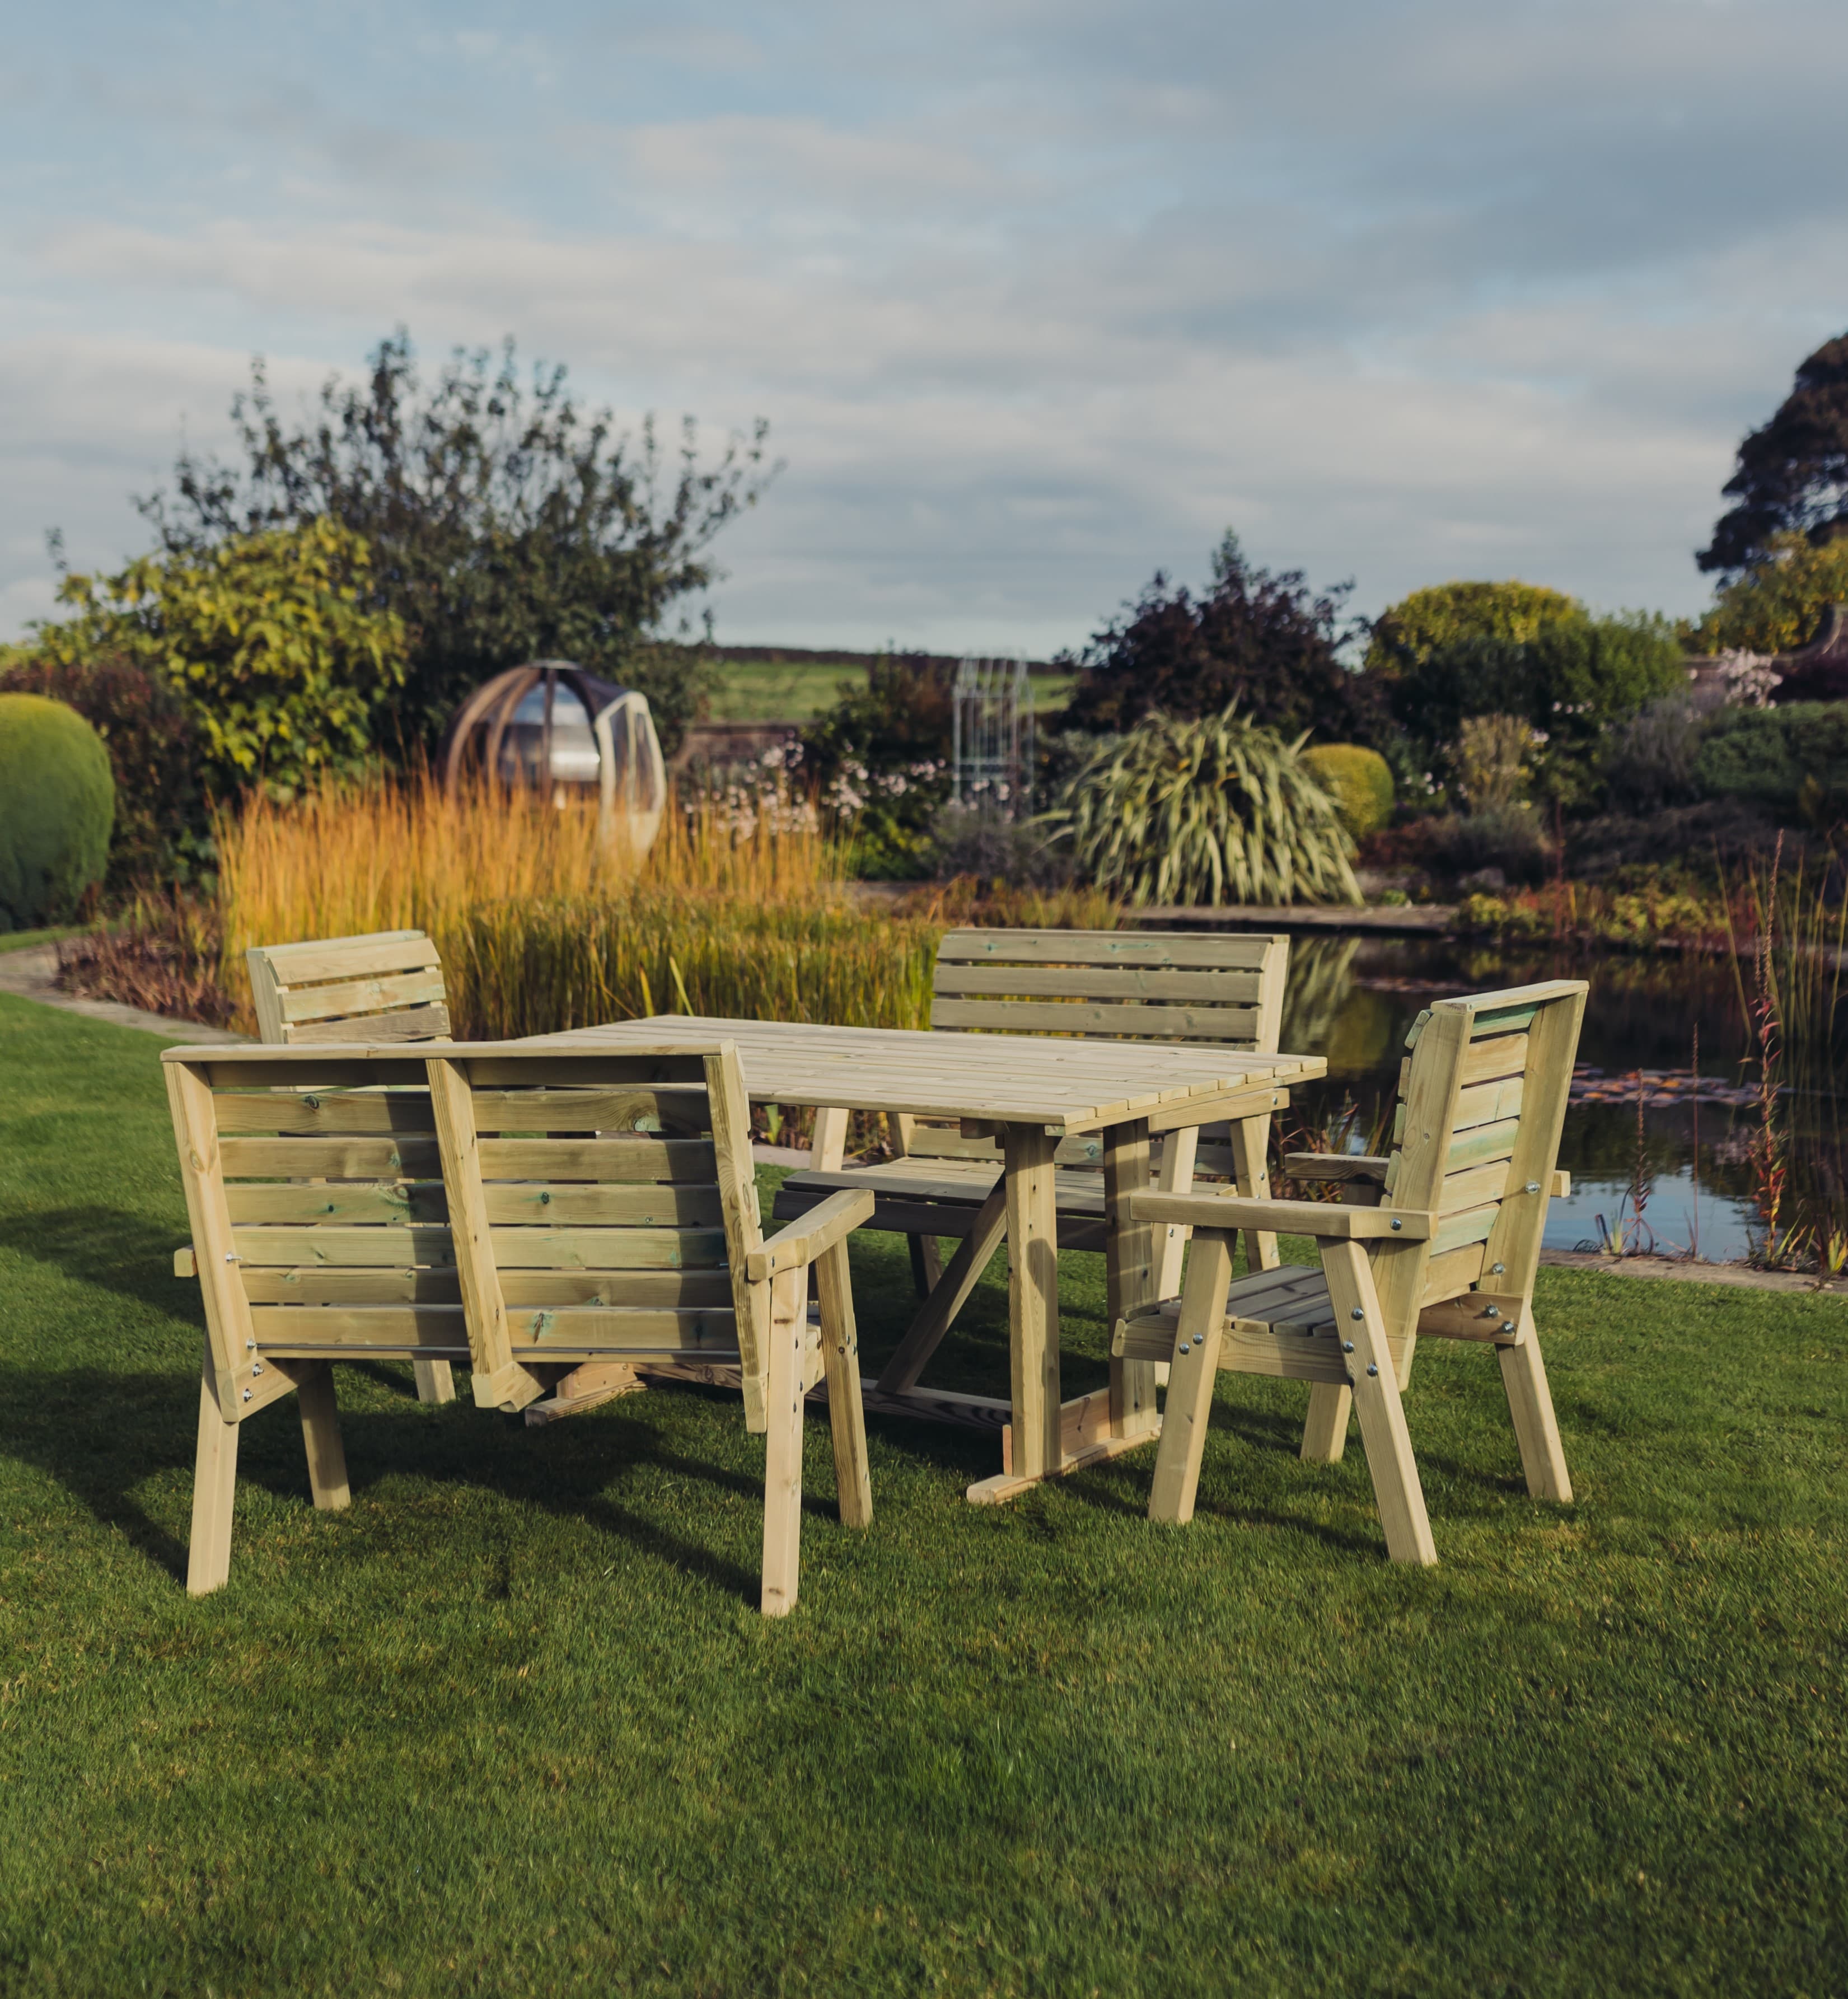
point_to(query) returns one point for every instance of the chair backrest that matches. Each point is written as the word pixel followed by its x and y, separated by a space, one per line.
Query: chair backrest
pixel 1483 1098
pixel 604 1206
pixel 1170 985
pixel 386 987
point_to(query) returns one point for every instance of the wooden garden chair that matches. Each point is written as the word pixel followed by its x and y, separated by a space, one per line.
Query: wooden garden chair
pixel 551 1218
pixel 1448 1249
pixel 1175 986
pixel 387 986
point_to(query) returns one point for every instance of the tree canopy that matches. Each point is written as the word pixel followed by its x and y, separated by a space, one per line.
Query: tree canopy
pixel 1792 475
pixel 505 523
pixel 1262 640
pixel 1777 605
pixel 274 640
pixel 1406 633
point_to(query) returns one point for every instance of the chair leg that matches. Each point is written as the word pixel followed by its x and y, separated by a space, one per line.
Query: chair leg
pixel 1190 1383
pixel 1390 1463
pixel 320 1436
pixel 436 1380
pixel 1252 1167
pixel 1325 1434
pixel 846 1412
pixel 783 1467
pixel 1536 1428
pixel 214 1490
pixel 926 1264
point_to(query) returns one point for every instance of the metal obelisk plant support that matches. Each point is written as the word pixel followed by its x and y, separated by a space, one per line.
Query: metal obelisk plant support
pixel 991 758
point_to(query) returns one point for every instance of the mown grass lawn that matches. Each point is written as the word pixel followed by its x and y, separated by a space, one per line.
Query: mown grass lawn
pixel 512 1724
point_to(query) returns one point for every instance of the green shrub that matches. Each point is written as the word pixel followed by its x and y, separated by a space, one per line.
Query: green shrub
pixel 153 750
pixel 1203 813
pixel 57 803
pixel 1405 634
pixel 1792 761
pixel 1359 782
pixel 1507 838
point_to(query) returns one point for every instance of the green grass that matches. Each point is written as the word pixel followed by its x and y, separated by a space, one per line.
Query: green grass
pixel 778 690
pixel 26 940
pixel 800 690
pixel 512 1724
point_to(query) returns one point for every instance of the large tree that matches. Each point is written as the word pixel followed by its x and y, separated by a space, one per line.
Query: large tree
pixel 1793 473
pixel 1260 638
pixel 505 523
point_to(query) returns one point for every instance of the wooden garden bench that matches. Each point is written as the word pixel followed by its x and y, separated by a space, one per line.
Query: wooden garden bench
pixel 386 986
pixel 1448 1249
pixel 552 1217
pixel 1149 985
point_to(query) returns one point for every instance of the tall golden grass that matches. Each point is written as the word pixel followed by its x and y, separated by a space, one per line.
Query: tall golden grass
pixel 744 915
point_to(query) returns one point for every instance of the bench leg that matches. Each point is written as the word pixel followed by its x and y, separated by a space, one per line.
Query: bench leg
pixel 1536 1428
pixel 321 1435
pixel 436 1380
pixel 214 1490
pixel 1325 1434
pixel 926 1264
pixel 846 1412
pixel 783 1448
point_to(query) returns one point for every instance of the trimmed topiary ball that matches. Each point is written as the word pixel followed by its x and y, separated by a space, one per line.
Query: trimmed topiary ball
pixel 1359 781
pixel 57 803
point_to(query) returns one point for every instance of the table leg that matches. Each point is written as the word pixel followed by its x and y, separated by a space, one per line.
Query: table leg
pixel 1032 1299
pixel 1132 1258
pixel 1252 1165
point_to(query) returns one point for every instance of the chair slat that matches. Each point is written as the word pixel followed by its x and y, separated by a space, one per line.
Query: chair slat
pixel 1139 947
pixel 1122 982
pixel 1174 1023
pixel 413 1023
pixel 372 994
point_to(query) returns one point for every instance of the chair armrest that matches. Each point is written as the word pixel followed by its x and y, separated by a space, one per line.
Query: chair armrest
pixel 805 1239
pixel 1334 1166
pixel 185 1264
pixel 1327 1220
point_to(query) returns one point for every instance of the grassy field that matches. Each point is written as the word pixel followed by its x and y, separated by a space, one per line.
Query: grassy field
pixel 800 690
pixel 512 1724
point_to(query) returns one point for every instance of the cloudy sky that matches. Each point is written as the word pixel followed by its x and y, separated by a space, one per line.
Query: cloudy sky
pixel 1035 297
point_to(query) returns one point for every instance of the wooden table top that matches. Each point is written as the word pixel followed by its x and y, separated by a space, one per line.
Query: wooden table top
pixel 1011 1079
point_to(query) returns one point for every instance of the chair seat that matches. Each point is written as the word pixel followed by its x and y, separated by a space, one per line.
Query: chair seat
pixel 1292 1298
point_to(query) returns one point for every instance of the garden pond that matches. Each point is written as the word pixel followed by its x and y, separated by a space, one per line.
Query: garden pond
pixel 1690 1147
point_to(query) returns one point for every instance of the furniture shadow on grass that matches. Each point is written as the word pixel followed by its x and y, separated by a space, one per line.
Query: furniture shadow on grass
pixel 102 1436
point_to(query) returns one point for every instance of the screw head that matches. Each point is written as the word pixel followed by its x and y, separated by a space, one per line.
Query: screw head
pixel 1371 1369
pixel 1356 1313
pixel 1346 1347
pixel 1533 1186
pixel 1397 1225
pixel 1497 1269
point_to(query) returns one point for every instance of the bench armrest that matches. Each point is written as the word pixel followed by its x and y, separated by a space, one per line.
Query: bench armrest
pixel 1327 1220
pixel 807 1237
pixel 185 1264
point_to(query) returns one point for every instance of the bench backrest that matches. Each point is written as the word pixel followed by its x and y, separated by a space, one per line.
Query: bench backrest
pixel 1481 1102
pixel 605 1206
pixel 386 987
pixel 346 1204
pixel 1171 985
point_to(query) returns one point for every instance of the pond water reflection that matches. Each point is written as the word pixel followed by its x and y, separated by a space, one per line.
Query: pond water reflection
pixel 1352 999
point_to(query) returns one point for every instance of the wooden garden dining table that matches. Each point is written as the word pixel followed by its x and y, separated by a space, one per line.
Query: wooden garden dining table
pixel 1028 1092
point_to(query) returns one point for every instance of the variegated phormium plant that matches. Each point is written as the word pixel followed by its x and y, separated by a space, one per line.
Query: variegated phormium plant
pixel 1216 810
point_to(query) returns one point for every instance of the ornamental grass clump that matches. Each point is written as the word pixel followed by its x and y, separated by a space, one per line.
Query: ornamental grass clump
pixel 1216 810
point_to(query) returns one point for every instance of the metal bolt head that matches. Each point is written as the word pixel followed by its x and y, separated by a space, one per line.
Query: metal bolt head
pixel 256 1366
pixel 1533 1186
pixel 250 1346
pixel 246 1394
pixel 1398 1224
pixel 1493 1311
pixel 1357 1313
pixel 231 1256
pixel 1371 1369
pixel 1346 1347
pixel 1497 1269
